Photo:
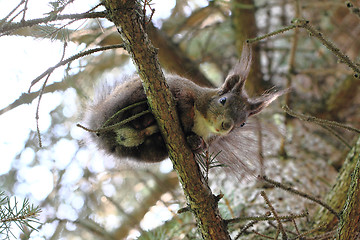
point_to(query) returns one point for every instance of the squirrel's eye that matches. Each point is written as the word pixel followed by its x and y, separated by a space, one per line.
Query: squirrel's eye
pixel 243 124
pixel 222 100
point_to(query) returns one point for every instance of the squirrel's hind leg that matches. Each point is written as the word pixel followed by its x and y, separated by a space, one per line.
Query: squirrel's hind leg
pixel 130 137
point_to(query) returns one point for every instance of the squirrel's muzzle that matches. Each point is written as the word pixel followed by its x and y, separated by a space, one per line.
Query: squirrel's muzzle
pixel 227 125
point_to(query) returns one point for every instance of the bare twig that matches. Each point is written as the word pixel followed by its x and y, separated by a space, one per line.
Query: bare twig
pixel 344 58
pixel 266 218
pixel 114 126
pixel 301 23
pixel 72 58
pixel 337 135
pixel 309 232
pixel 49 72
pixel 40 96
pixel 37 110
pixel 105 127
pixel 297 192
pixel 295 225
pixel 246 227
pixel 318 121
pixel 282 30
pixel 262 235
pixel 273 211
pixel 24 10
pixel 12 11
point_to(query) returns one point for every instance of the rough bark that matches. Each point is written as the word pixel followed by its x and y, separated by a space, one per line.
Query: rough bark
pixel 350 216
pixel 337 196
pixel 126 15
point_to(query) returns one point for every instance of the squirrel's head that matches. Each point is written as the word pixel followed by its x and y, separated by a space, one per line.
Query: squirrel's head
pixel 229 106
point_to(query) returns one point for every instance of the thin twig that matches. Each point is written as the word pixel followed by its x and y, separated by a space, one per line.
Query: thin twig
pixel 12 19
pixel 273 211
pixel 114 126
pixel 309 232
pixel 246 227
pixel 40 96
pixel 318 120
pixel 327 235
pixel 302 23
pixel 123 110
pixel 12 11
pixel 284 29
pixel 265 218
pixel 337 135
pixel 295 225
pixel 262 235
pixel 14 26
pixel 49 72
pixel 72 58
pixel 24 10
pixel 297 192
pixel 344 58
pixel 72 21
pixel 37 110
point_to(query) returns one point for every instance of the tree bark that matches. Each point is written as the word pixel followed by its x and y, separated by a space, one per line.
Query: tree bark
pixel 127 16
pixel 337 196
pixel 349 227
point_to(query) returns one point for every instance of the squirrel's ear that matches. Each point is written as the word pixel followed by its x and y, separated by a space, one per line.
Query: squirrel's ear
pixel 236 79
pixel 258 104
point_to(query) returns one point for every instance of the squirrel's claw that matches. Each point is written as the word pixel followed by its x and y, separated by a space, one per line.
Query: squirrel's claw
pixel 196 143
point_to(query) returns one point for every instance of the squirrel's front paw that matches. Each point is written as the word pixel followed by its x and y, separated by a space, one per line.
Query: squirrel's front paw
pixel 196 143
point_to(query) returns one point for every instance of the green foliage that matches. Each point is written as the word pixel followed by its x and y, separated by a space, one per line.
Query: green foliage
pixel 23 215
pixel 208 161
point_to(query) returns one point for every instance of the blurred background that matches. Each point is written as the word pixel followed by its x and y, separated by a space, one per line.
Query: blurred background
pixel 85 194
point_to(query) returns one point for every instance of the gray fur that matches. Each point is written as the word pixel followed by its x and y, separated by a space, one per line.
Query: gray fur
pixel 206 114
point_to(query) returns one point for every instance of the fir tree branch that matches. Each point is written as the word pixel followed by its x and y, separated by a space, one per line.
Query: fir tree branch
pixel 6 27
pixel 12 212
pixel 266 217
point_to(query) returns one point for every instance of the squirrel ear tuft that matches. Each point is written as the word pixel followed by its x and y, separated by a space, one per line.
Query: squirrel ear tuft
pixel 258 104
pixel 235 81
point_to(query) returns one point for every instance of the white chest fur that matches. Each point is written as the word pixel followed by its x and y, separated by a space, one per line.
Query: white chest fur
pixel 202 127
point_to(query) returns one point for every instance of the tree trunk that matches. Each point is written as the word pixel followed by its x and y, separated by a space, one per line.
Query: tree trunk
pixel 338 195
pixel 127 16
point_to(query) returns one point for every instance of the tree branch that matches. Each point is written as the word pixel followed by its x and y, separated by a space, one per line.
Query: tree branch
pixel 127 16
pixel 13 26
pixel 350 217
pixel 336 198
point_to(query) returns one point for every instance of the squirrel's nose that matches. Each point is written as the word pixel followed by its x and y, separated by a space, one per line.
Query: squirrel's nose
pixel 227 125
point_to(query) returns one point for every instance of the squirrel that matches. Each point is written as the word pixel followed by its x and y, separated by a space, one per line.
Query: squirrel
pixel 206 114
